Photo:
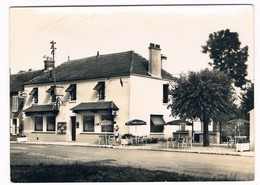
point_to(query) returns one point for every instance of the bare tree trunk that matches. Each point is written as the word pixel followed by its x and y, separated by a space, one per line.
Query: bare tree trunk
pixel 205 132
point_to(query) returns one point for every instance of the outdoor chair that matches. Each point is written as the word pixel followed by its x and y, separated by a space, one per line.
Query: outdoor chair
pixel 181 143
pixel 189 142
pixel 168 140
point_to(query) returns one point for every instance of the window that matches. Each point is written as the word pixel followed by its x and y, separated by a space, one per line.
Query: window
pixel 157 123
pixel 72 89
pixel 100 87
pixel 38 123
pixel 165 93
pixel 34 94
pixel 88 123
pixel 52 92
pixel 51 123
pixel 107 128
pixel 15 103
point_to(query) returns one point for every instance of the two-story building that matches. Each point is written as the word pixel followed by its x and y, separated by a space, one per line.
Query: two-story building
pixel 17 99
pixel 68 102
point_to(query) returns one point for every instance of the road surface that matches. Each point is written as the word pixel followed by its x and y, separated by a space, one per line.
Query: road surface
pixel 207 165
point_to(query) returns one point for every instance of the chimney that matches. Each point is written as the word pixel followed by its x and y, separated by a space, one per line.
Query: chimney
pixel 48 64
pixel 155 62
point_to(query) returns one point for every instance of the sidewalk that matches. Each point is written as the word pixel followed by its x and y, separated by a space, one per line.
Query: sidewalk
pixel 217 149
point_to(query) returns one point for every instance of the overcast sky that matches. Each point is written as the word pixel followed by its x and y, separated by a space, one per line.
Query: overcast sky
pixel 82 31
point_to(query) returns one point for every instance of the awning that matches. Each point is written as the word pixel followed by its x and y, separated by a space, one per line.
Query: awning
pixel 158 120
pixel 34 91
pixel 95 106
pixel 71 88
pixel 40 109
pixel 99 86
pixel 50 90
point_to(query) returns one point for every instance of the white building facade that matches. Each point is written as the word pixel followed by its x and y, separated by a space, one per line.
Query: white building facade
pixel 69 102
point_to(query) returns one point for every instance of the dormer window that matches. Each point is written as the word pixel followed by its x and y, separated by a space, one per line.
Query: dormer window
pixel 72 89
pixel 52 93
pixel 34 94
pixel 100 87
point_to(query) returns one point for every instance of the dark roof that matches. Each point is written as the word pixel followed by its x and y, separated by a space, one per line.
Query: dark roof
pixel 17 80
pixel 94 106
pixel 103 66
pixel 40 109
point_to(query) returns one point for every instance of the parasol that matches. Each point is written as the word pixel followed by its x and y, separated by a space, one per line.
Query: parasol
pixel 135 122
pixel 179 122
pixel 238 121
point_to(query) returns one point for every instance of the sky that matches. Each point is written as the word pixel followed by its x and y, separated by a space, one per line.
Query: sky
pixel 80 32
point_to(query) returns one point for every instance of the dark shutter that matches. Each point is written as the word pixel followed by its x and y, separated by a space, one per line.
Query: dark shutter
pixel 165 93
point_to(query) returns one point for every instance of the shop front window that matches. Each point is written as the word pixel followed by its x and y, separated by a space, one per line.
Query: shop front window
pixel 88 123
pixel 38 123
pixel 51 123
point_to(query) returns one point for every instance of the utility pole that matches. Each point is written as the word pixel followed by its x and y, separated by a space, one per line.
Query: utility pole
pixel 53 72
pixel 53 49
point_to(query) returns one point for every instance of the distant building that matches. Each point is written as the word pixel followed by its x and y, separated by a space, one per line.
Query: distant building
pixel 17 98
pixel 68 102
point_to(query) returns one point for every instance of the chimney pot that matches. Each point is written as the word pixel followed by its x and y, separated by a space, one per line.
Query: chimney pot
pixel 157 46
pixel 151 45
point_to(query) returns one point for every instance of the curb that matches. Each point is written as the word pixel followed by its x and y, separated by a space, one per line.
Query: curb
pixel 131 148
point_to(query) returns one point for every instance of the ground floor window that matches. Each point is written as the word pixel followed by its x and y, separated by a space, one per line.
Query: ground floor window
pixel 107 128
pixel 51 123
pixel 157 123
pixel 88 123
pixel 38 123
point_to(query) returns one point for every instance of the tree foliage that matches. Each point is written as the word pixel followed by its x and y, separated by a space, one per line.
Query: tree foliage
pixel 227 55
pixel 247 99
pixel 202 95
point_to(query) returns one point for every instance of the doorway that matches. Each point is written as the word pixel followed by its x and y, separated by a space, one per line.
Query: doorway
pixel 73 128
pixel 14 127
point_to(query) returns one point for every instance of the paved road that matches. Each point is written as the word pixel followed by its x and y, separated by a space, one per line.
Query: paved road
pixel 242 168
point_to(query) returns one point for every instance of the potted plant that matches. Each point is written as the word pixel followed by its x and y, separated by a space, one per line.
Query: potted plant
pixel 21 138
pixel 126 139
pixel 242 145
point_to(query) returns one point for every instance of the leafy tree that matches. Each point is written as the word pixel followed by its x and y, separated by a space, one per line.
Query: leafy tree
pixel 247 100
pixel 227 55
pixel 202 95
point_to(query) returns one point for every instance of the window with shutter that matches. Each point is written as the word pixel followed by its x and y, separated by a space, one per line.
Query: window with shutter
pixel 15 103
pixel 165 93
